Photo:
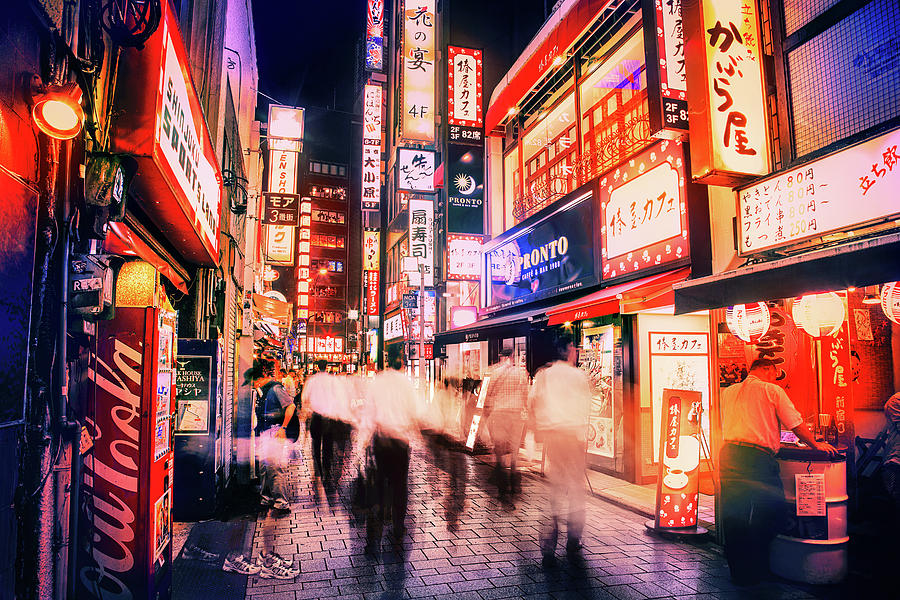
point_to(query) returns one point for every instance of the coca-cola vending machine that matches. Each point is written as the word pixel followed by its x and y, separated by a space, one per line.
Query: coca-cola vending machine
pixel 125 550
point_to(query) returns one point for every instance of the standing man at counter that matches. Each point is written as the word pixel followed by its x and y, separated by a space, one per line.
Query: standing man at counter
pixel 753 414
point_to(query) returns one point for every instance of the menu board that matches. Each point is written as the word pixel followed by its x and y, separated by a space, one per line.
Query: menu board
pixel 192 394
pixel 596 359
pixel 810 495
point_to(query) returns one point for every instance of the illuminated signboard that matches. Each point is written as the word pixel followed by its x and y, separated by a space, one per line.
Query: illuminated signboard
pixel 285 128
pixel 465 189
pixel 303 258
pixel 372 293
pixel 375 35
pixel 463 257
pixel 666 65
pixel 421 238
pixel 841 191
pixel 415 170
pixel 643 211
pixel 281 209
pixel 393 327
pixel 279 244
pixel 677 487
pixel 282 171
pixel 371 250
pixel 371 150
pixel 464 96
pixel 417 99
pixel 550 253
pixel 729 122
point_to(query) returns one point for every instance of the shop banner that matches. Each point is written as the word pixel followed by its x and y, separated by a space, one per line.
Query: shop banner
pixel 281 209
pixel 279 244
pixel 677 486
pixel 283 171
pixel 729 123
pixel 465 96
pixel 548 254
pixel 372 293
pixel 595 358
pixel 465 189
pixel 393 327
pixel 193 391
pixel 666 67
pixel 417 89
pixel 375 35
pixel 643 210
pixel 463 257
pixel 842 191
pixel 371 246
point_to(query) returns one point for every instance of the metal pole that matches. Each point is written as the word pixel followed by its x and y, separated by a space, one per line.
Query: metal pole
pixel 421 328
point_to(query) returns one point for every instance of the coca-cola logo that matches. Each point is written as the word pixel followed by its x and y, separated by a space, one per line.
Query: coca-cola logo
pixel 110 480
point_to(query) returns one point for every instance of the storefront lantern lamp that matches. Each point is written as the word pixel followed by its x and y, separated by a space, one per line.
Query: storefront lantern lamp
pixel 749 322
pixel 871 295
pixel 890 301
pixel 819 315
pixel 56 110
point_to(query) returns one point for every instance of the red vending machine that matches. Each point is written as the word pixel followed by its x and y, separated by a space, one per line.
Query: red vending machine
pixel 125 551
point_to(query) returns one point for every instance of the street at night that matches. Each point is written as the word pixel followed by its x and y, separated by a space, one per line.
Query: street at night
pixel 467 299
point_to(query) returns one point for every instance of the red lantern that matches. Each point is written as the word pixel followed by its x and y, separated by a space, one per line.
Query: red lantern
pixel 748 321
pixel 890 301
pixel 819 315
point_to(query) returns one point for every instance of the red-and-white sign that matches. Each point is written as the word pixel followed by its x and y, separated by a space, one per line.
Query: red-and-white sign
pixel 666 65
pixel 464 80
pixel 371 150
pixel 375 35
pixel 842 191
pixel 282 171
pixel 372 293
pixel 677 488
pixel 417 98
pixel 643 209
pixel 729 120
pixel 463 257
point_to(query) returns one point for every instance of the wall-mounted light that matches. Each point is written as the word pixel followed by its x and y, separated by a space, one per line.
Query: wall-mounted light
pixel 56 110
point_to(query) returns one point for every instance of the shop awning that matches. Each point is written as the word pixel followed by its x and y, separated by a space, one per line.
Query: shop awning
pixel 864 262
pixel 126 241
pixel 642 294
pixel 512 325
pixel 276 312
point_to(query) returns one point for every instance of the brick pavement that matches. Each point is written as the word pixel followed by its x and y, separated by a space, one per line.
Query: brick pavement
pixel 493 554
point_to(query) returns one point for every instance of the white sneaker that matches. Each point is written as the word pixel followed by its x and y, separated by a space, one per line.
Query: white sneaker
pixel 278 571
pixel 241 565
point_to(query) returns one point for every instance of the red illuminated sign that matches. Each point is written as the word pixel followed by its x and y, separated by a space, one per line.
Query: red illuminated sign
pixel 372 293
pixel 677 488
pixel 464 81
pixel 643 209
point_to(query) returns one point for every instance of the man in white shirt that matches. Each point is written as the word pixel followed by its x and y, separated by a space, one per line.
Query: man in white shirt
pixel 561 397
pixel 506 405
pixel 329 427
pixel 753 414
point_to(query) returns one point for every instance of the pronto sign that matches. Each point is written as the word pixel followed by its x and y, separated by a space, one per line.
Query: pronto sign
pixel 161 124
pixel 841 191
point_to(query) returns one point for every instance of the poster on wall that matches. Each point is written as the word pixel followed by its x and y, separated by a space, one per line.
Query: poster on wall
pixel 596 359
pixel 162 524
pixel 192 394
pixel 548 254
pixel 643 211
pixel 465 189
pixel 678 360
pixel 677 486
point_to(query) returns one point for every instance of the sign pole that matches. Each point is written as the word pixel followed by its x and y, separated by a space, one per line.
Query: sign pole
pixel 421 327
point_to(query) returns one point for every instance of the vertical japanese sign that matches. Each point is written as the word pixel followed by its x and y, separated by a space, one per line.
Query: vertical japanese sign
pixel 729 122
pixel 465 95
pixel 372 293
pixel 282 171
pixel 837 396
pixel 375 35
pixel 371 243
pixel 417 78
pixel 677 487
pixel 465 189
pixel 666 65
pixel 421 237
pixel 371 150
pixel 280 244
pixel 304 233
pixel 463 257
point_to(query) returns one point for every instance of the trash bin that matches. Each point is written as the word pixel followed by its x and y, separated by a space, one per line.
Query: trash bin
pixel 813 549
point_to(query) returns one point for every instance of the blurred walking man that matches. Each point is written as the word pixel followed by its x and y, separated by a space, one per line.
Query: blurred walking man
pixel 329 427
pixel 753 414
pixel 506 402
pixel 561 397
pixel 392 406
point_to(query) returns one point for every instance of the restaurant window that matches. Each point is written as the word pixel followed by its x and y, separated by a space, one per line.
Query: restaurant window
pixel 549 152
pixel 328 216
pixel 614 110
pixel 328 192
pixel 512 186
pixel 842 70
pixel 327 241
pixel 333 266
pixel 328 291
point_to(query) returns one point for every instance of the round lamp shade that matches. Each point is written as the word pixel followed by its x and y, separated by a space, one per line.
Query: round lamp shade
pixel 890 301
pixel 749 322
pixel 58 112
pixel 819 315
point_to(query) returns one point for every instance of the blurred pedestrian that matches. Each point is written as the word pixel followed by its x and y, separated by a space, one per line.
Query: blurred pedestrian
pixel 561 397
pixel 392 408
pixel 329 428
pixel 443 431
pixel 506 403
pixel 890 470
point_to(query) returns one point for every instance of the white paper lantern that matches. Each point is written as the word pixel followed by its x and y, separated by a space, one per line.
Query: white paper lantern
pixel 748 321
pixel 890 301
pixel 819 315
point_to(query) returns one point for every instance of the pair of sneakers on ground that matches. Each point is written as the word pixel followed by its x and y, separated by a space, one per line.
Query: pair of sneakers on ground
pixel 267 565
pixel 276 503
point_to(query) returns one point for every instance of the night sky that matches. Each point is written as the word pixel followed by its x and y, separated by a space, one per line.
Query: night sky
pixel 307 50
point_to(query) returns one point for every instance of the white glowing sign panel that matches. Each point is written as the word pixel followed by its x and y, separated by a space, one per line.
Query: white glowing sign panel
pixel 279 244
pixel 421 238
pixel 282 171
pixel 393 327
pixel 463 257
pixel 841 191
pixel 415 170
pixel 735 87
pixel 464 80
pixel 371 150
pixel 181 145
pixel 417 99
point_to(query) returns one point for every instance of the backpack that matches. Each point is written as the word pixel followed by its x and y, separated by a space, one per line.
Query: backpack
pixel 269 414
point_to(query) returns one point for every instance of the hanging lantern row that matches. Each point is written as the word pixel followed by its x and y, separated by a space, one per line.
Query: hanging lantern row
pixel 819 315
pixel 749 322
pixel 890 301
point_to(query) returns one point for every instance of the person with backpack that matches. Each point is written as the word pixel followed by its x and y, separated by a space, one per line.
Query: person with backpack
pixel 275 410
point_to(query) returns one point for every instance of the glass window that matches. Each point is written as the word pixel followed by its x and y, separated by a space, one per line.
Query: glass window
pixel 512 186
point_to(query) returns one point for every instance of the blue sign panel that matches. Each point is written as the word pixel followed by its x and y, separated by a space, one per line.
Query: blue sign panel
pixel 551 253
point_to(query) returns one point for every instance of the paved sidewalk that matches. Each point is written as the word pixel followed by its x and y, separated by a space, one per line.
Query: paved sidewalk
pixel 493 554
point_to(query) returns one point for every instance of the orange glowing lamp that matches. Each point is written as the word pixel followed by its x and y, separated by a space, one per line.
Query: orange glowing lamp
pixel 57 111
pixel 819 315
